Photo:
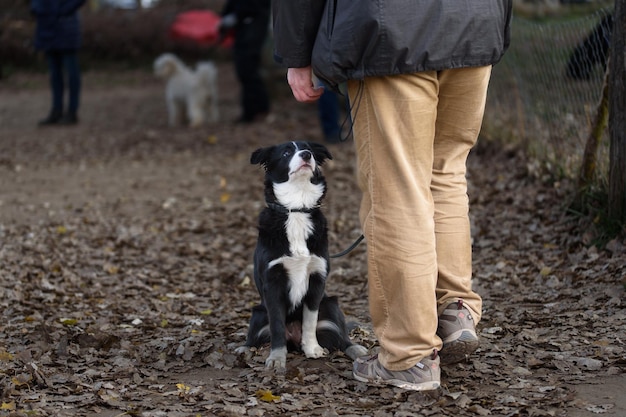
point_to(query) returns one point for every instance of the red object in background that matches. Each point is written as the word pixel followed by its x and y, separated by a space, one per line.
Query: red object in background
pixel 200 27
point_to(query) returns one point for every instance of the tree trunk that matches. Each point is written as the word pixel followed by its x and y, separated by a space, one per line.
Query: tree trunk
pixel 617 115
pixel 590 157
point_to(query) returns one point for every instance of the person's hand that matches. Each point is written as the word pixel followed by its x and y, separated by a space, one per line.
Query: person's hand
pixel 227 23
pixel 301 82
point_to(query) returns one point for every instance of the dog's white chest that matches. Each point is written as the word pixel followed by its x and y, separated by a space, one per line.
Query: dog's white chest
pixel 300 264
pixel 298 228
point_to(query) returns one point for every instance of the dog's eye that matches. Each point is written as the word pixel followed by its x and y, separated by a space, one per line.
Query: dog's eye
pixel 288 152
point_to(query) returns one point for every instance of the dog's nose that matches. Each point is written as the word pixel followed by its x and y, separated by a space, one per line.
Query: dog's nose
pixel 305 155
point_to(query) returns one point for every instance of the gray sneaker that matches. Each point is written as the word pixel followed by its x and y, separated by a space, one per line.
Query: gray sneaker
pixel 458 333
pixel 424 376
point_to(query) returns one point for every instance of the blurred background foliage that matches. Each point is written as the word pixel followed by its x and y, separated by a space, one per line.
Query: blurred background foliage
pixel 118 33
pixel 533 102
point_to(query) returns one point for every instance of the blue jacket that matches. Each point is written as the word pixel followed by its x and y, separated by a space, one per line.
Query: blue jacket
pixel 354 39
pixel 58 26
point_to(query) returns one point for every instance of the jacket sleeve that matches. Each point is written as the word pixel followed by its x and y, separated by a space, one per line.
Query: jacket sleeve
pixel 295 29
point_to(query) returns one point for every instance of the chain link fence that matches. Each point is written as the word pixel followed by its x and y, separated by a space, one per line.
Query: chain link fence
pixel 546 91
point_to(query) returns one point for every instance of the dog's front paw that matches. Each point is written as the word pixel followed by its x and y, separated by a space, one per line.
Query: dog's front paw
pixel 242 350
pixel 277 359
pixel 313 351
pixel 245 351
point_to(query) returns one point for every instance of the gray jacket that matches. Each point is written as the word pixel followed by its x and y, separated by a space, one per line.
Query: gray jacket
pixel 354 39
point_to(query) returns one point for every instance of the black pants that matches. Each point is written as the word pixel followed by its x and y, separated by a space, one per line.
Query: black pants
pixel 62 62
pixel 250 37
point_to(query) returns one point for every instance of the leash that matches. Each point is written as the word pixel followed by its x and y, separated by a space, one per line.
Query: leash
pixel 350 249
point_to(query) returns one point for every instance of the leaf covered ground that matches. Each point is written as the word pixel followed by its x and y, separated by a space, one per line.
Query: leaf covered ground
pixel 125 272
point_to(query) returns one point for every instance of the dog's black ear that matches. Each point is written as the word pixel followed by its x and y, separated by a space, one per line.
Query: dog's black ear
pixel 320 152
pixel 261 155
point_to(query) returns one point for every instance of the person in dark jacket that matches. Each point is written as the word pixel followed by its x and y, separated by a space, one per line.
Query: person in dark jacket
pixel 592 50
pixel 58 35
pixel 249 20
pixel 416 73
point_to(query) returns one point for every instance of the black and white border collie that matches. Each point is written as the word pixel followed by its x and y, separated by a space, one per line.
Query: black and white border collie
pixel 291 259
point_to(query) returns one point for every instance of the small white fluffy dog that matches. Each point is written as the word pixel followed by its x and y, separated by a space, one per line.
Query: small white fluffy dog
pixel 191 95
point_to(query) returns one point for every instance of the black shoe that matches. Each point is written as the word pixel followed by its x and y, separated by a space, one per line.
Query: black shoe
pixel 69 119
pixel 53 118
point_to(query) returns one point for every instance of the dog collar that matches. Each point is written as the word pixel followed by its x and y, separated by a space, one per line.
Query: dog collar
pixel 282 209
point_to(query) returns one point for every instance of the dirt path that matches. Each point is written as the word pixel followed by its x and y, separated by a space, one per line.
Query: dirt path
pixel 125 269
